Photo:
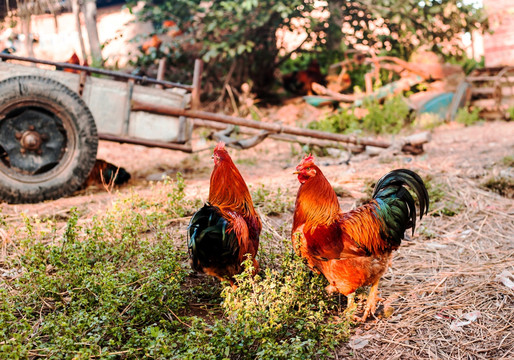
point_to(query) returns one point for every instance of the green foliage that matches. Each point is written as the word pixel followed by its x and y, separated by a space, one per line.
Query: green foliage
pixel 508 161
pixel 502 185
pixel 442 201
pixel 466 63
pixel 98 289
pixel 271 202
pixel 468 118
pixel 281 314
pixel 238 38
pixel 117 285
pixel 387 118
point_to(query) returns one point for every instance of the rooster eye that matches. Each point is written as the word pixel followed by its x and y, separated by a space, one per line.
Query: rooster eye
pixel 308 169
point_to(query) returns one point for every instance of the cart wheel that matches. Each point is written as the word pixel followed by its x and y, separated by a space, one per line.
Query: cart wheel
pixel 48 140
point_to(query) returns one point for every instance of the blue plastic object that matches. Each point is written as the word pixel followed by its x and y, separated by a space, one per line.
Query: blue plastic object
pixel 439 105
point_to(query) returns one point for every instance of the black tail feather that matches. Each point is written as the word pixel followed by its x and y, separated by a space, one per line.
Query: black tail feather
pixel 400 177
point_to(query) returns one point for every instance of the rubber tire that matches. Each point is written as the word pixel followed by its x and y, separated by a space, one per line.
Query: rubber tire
pixel 81 135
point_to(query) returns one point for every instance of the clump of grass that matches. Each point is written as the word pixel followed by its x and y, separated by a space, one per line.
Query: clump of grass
pixel 442 203
pixel 118 285
pixel 387 118
pixel 464 116
pixel 271 203
pixel 508 161
pixel 252 161
pixel 96 288
pixel 281 314
pixel 510 113
pixel 501 185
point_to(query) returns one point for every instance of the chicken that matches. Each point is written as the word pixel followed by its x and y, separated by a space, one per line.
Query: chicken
pixel 172 29
pixel 227 227
pixel 106 173
pixel 74 60
pixel 300 82
pixel 353 249
pixel 153 43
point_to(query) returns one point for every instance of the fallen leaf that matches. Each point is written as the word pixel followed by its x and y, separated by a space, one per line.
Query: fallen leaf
pixel 506 278
pixel 457 325
pixel 472 316
pixel 358 342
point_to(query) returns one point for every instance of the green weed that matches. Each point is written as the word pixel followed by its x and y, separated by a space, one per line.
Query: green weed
pixel 442 202
pixel 508 161
pixel 247 161
pixel 118 286
pixel 271 203
pixel 387 118
pixel 464 116
pixel 501 185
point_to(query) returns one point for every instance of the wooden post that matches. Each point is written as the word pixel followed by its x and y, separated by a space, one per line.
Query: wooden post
pixel 160 71
pixel 89 10
pixel 76 13
pixel 197 82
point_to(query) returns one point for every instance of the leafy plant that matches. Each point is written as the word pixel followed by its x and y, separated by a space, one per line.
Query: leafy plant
pixel 468 118
pixel 508 161
pixel 238 38
pixel 271 202
pixel 442 202
pixel 117 285
pixel 387 118
pixel 502 185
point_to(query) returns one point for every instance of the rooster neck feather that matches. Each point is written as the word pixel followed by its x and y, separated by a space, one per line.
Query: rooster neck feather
pixel 316 202
pixel 228 191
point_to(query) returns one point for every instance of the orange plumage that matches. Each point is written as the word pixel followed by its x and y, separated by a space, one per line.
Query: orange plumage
pixel 153 42
pixel 227 228
pixel 74 60
pixel 353 249
pixel 300 82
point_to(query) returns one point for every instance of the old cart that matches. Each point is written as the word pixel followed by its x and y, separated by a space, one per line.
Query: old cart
pixel 51 121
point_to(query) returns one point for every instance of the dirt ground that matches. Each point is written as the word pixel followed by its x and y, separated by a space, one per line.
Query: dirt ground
pixel 451 287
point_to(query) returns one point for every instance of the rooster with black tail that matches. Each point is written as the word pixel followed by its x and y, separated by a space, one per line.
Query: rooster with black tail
pixel 226 229
pixel 353 249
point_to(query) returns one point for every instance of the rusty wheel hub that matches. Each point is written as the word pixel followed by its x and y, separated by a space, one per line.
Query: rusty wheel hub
pixel 32 141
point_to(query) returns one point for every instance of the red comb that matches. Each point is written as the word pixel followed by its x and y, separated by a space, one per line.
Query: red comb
pixel 220 146
pixel 306 162
pixel 308 158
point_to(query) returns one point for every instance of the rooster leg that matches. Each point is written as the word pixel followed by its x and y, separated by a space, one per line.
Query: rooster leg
pixel 351 305
pixel 371 304
pixel 350 301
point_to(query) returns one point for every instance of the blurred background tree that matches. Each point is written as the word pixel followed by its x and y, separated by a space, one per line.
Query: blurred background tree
pixel 239 40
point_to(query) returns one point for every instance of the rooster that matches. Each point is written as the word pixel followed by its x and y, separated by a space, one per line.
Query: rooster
pixel 353 249
pixel 105 173
pixel 300 82
pixel 153 43
pixel 226 228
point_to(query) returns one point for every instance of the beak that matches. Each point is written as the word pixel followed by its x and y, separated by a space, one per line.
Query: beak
pixel 296 172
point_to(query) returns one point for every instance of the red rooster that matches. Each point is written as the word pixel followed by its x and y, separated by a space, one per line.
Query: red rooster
pixel 353 249
pixel 154 42
pixel 74 59
pixel 227 227
pixel 300 82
